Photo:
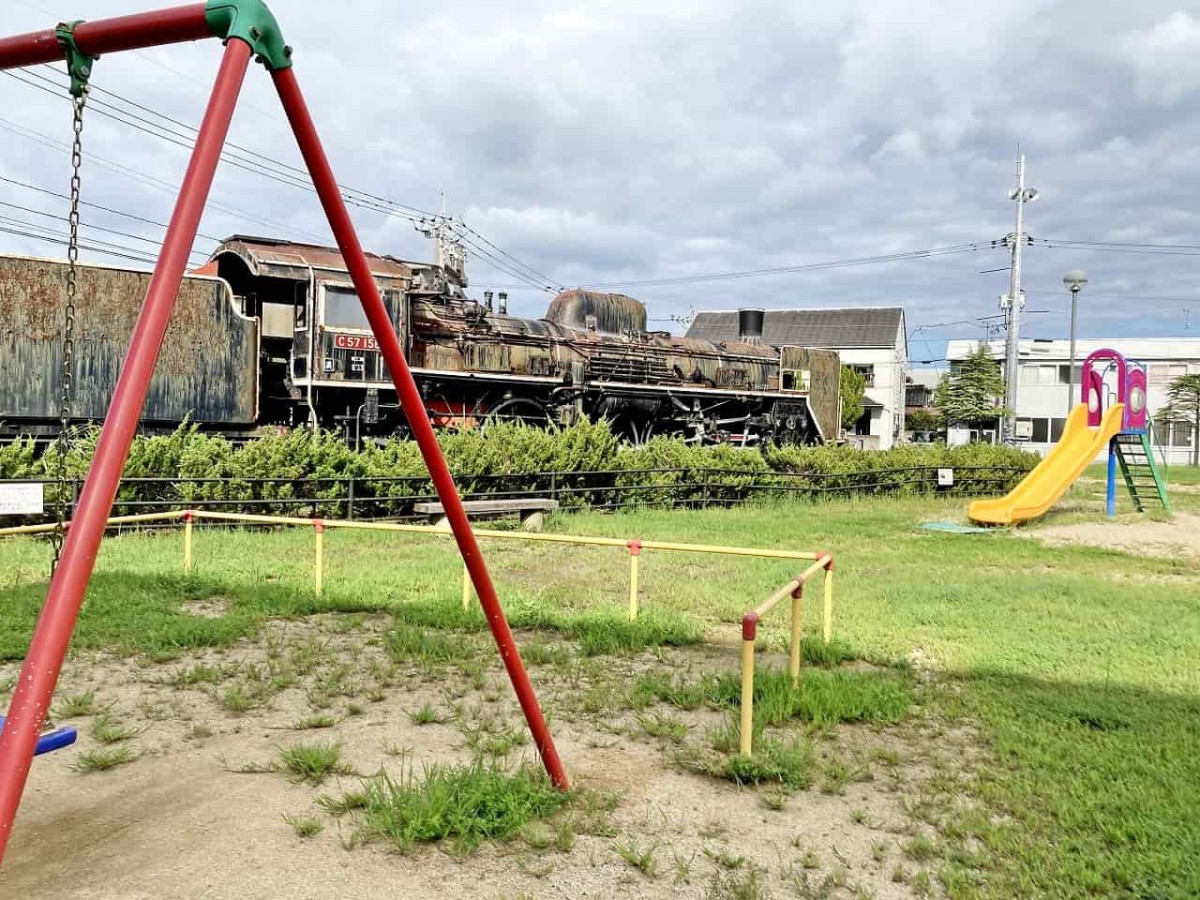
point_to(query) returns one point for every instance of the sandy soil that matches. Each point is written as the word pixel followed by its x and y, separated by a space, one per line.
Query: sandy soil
pixel 181 821
pixel 1181 536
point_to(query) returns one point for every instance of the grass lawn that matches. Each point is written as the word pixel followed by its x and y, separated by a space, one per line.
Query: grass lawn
pixel 1074 668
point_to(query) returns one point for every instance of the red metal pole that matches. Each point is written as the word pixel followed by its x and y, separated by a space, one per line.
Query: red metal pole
pixel 414 408
pixel 151 29
pixel 39 674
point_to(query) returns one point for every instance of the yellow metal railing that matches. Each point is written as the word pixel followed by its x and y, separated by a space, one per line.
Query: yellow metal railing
pixel 795 590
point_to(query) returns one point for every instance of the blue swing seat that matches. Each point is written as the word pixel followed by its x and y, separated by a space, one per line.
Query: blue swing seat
pixel 51 740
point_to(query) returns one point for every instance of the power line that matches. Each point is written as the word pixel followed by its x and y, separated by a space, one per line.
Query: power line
pixel 1121 247
pixel 108 209
pixel 139 177
pixel 125 253
pixel 58 218
pixel 282 173
pixel 807 267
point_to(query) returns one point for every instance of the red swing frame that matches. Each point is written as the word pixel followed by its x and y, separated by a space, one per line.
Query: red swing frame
pixel 39 674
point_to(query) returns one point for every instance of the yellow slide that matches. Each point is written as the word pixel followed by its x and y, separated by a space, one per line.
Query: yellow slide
pixel 1073 453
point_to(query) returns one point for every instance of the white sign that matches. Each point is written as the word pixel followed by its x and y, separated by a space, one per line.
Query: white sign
pixel 22 499
pixel 945 478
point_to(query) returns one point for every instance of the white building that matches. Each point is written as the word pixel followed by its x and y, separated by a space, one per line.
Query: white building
pixel 1044 398
pixel 871 339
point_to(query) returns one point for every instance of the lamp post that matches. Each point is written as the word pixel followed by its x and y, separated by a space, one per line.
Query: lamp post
pixel 1074 282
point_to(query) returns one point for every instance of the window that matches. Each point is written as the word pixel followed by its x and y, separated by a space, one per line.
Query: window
pixel 1040 374
pixel 1056 429
pixel 1181 434
pixel 1162 433
pixel 343 309
pixel 1064 374
pixel 867 372
pixel 795 379
pixel 301 301
pixel 1041 431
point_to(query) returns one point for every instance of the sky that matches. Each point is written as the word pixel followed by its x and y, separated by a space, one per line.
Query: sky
pixel 610 144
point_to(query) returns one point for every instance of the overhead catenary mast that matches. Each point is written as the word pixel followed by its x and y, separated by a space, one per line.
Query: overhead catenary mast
pixel 1013 303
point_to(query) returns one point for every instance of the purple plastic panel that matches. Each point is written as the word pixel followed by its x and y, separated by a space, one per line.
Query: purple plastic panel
pixel 1093 383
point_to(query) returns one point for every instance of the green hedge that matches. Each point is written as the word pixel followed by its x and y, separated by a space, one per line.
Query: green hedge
pixel 591 467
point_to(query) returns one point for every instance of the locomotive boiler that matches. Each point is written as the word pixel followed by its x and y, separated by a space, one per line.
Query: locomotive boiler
pixel 272 333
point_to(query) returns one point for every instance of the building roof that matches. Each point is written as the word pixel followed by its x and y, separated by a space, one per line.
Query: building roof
pixel 1037 350
pixel 857 326
pixel 268 256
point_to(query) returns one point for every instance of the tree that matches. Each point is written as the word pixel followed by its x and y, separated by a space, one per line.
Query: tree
pixel 972 393
pixel 1183 408
pixel 854 385
pixel 924 420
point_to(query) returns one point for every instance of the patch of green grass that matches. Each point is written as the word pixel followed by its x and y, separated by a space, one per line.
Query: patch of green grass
pixel 98 759
pixel 639 857
pixel 493 737
pixel 74 706
pixel 319 720
pixel 312 763
pixel 465 805
pixel 340 806
pixel 823 698
pixel 425 715
pixel 747 884
pixel 788 763
pixel 107 731
pixel 919 848
pixel 663 727
pixel 241 698
pixel 196 674
pixel 305 826
pixel 674 689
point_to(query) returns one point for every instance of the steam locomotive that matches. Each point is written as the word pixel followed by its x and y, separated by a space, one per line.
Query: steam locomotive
pixel 272 333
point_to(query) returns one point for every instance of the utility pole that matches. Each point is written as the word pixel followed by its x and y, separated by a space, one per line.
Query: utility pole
pixel 1013 303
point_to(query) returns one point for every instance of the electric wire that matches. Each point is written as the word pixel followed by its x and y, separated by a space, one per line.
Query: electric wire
pixel 805 267
pixel 281 172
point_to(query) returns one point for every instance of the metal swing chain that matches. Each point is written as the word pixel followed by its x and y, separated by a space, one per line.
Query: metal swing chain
pixel 68 342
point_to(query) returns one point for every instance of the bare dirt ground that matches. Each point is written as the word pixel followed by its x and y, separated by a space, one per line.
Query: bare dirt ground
pixel 182 820
pixel 1181 536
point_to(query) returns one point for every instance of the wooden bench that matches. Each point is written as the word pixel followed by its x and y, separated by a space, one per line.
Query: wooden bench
pixel 532 510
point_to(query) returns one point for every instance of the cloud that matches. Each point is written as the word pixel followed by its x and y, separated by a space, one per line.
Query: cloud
pixel 1166 59
pixel 620 141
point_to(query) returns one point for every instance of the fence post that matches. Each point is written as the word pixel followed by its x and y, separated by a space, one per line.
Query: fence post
pixel 749 634
pixel 319 562
pixel 635 551
pixel 797 619
pixel 466 592
pixel 828 616
pixel 188 518
pixel 350 500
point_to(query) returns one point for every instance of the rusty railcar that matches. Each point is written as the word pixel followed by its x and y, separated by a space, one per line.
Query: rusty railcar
pixel 207 371
pixel 272 332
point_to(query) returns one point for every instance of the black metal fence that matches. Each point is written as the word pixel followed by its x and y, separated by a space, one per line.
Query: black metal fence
pixel 367 497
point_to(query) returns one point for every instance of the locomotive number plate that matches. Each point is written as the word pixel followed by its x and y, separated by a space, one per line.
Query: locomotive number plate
pixel 354 342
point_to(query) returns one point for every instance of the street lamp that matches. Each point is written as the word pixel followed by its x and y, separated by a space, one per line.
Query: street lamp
pixel 1074 282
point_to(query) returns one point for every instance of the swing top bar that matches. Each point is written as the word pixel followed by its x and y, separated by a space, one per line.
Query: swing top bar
pixel 249 20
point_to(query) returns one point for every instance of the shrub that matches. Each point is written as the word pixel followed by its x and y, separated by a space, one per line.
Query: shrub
pixel 581 465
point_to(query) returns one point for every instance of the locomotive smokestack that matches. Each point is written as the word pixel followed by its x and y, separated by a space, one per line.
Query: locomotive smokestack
pixel 750 325
pixel 487 300
pixel 503 303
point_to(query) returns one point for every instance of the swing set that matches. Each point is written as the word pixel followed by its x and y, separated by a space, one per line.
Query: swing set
pixel 247 29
